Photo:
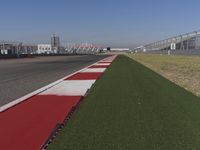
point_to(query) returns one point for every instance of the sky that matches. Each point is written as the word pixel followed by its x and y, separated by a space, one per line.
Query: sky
pixel 114 23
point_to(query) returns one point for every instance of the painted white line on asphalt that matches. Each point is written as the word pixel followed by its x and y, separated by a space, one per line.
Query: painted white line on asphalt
pixel 94 70
pixel 70 88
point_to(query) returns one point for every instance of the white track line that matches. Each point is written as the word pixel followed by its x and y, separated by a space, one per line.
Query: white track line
pixel 90 70
pixel 70 88
pixel 102 64
pixel 104 61
pixel 26 97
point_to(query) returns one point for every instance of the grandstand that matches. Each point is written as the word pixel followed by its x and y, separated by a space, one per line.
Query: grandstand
pixel 188 43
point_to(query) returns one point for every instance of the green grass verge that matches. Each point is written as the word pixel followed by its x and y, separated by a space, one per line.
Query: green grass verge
pixel 132 107
pixel 182 70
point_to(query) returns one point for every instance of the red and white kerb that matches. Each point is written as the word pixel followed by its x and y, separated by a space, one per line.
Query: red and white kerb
pixel 27 122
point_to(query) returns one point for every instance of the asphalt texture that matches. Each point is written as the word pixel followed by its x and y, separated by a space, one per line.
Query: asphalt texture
pixel 19 77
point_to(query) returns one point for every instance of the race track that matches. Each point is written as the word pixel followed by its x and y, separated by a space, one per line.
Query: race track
pixel 19 77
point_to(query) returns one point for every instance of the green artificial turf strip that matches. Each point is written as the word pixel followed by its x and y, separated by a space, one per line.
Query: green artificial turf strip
pixel 133 108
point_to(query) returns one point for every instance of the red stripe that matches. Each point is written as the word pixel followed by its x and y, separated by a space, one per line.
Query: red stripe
pixel 28 125
pixel 85 76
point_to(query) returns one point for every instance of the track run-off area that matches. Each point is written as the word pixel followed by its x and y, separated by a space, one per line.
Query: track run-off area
pixel 132 107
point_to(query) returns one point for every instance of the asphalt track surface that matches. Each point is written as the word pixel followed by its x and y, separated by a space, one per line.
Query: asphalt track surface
pixel 19 77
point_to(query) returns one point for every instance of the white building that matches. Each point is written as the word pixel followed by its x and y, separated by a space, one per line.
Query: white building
pixel 46 49
pixel 4 52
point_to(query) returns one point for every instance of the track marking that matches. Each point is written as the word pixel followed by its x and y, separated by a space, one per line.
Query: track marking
pixel 94 70
pixel 102 64
pixel 70 88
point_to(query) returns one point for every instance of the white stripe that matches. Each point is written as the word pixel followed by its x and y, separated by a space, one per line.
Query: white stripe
pixel 94 70
pixel 109 60
pixel 70 88
pixel 102 64
pixel 106 61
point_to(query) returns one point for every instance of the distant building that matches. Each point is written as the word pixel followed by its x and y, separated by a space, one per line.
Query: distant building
pixel 9 48
pixel 108 48
pixel 45 49
pixel 28 49
pixel 139 49
pixel 55 42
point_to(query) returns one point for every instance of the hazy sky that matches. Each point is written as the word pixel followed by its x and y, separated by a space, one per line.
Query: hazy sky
pixel 117 23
